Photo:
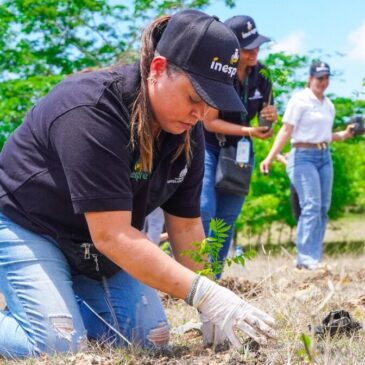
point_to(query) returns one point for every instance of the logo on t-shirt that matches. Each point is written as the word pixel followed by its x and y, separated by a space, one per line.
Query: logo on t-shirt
pixel 256 95
pixel 137 174
pixel 180 178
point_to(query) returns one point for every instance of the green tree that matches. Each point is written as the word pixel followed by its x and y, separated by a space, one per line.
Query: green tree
pixel 42 41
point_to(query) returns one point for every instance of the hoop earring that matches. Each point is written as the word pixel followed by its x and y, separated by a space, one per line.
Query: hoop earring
pixel 152 80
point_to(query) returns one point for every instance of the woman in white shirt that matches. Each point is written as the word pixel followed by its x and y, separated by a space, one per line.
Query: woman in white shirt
pixel 308 120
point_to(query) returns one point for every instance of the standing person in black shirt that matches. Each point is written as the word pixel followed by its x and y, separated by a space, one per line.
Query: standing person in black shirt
pixel 228 128
pixel 77 178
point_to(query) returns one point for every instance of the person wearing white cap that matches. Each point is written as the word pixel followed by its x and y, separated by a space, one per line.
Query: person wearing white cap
pixel 308 121
pixel 228 129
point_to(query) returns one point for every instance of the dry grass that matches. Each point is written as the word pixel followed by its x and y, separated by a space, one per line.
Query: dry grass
pixel 295 298
pixel 300 298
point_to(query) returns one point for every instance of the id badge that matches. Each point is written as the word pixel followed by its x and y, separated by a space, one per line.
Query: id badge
pixel 243 151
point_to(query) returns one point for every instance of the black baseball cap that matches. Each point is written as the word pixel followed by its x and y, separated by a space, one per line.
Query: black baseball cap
pixel 244 27
pixel 208 52
pixel 319 69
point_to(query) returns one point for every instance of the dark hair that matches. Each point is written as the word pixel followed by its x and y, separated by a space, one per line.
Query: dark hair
pixel 141 123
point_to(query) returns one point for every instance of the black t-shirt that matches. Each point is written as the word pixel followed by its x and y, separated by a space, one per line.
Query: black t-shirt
pixel 259 90
pixel 72 155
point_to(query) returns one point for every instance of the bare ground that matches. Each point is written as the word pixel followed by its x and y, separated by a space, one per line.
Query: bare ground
pixel 295 298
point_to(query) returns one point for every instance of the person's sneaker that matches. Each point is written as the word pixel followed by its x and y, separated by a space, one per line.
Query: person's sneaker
pixel 300 268
pixel 320 266
pixel 238 251
pixel 303 267
pixel 325 266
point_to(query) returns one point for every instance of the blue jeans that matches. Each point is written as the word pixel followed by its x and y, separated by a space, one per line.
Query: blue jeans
pixel 311 173
pixel 48 308
pixel 215 204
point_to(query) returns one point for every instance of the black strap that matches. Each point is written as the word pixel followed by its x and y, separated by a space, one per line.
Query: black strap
pixel 244 98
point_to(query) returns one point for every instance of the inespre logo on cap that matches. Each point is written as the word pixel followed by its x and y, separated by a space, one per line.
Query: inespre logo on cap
pixel 322 67
pixel 250 31
pixel 225 68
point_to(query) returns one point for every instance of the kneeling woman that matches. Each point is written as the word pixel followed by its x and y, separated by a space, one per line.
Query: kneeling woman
pixel 77 178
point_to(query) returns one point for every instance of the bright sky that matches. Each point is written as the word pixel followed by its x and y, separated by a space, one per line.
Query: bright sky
pixel 336 27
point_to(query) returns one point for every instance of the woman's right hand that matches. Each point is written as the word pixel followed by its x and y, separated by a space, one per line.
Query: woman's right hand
pixel 260 132
pixel 228 312
pixel 265 165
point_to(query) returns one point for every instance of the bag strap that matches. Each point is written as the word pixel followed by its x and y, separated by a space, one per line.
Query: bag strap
pixel 221 137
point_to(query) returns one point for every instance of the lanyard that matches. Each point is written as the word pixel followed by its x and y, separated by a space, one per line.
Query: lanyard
pixel 244 99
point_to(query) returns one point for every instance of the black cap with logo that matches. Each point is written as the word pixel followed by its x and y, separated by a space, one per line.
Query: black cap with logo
pixel 208 52
pixel 319 69
pixel 244 27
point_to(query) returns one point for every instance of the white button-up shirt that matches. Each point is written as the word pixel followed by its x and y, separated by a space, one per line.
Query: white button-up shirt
pixel 312 118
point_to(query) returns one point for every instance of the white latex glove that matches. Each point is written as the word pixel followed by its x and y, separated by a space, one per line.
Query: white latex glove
pixel 228 311
pixel 212 334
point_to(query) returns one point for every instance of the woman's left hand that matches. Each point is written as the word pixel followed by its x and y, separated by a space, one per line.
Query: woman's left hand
pixel 345 134
pixel 349 131
pixel 270 113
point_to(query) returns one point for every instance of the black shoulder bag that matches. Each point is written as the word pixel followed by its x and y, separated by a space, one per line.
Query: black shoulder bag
pixel 232 177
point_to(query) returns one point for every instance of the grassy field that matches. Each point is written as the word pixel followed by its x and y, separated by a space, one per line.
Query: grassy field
pixel 294 297
pixel 345 235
